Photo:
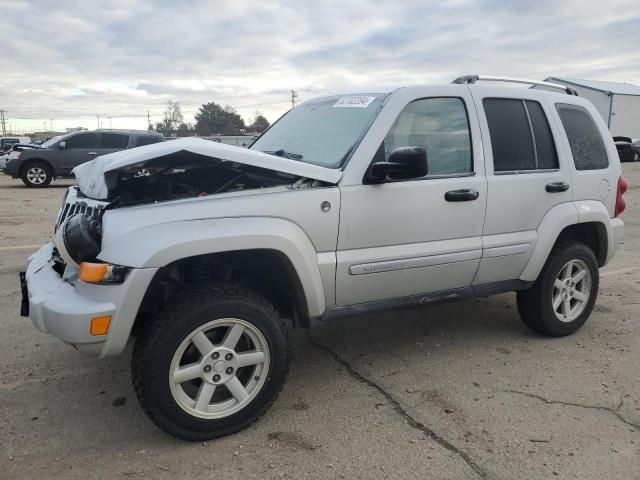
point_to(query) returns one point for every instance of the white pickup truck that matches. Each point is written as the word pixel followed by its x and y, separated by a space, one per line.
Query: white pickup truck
pixel 348 204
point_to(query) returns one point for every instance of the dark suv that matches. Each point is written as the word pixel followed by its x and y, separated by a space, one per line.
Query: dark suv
pixel 38 165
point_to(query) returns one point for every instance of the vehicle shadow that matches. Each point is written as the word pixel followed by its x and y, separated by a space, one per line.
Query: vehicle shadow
pixel 93 402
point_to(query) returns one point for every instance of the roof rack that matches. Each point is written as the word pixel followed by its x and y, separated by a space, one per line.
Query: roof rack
pixel 470 79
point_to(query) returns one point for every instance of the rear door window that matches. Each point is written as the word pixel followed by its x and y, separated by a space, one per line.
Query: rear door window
pixel 115 140
pixel 521 138
pixel 587 147
pixel 147 140
pixel 83 140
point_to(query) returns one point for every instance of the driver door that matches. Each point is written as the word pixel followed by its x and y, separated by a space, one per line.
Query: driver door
pixel 410 237
pixel 78 149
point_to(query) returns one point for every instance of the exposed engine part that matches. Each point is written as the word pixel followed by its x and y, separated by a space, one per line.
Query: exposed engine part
pixel 186 175
pixel 78 239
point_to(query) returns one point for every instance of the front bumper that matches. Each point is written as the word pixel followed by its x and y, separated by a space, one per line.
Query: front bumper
pixel 65 311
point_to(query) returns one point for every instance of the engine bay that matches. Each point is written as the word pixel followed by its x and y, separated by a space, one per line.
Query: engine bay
pixel 186 175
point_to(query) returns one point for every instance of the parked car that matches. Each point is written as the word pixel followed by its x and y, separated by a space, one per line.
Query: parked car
pixel 38 165
pixel 628 149
pixel 347 205
pixel 7 142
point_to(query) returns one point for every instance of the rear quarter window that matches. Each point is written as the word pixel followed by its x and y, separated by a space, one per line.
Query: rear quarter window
pixel 587 147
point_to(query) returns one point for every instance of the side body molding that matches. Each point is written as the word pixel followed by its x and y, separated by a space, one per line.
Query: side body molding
pixel 157 245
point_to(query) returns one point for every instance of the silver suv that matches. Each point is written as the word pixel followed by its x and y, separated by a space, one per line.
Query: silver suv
pixel 347 205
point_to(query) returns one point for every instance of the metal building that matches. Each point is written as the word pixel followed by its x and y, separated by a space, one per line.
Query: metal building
pixel 618 103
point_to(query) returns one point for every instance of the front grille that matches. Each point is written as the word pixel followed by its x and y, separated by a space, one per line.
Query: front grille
pixel 71 209
pixel 74 205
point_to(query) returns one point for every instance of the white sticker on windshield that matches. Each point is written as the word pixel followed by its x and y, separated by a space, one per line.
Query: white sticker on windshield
pixel 354 101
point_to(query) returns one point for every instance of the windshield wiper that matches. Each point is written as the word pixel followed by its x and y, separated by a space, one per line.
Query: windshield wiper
pixel 283 153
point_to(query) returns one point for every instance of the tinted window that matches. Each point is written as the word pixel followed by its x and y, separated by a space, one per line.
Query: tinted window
pixel 147 140
pixel 510 134
pixel 584 137
pixel 547 157
pixel 114 140
pixel 83 140
pixel 441 127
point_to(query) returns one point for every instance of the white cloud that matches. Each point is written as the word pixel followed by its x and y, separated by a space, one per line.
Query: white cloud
pixel 71 60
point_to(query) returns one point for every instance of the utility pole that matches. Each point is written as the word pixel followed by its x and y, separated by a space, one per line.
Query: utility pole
pixel 109 123
pixel 148 120
pixel 294 97
pixel 44 127
pixel 2 121
pixel 98 120
pixel 51 124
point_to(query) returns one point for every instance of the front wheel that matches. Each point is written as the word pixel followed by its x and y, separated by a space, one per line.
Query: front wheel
pixel 563 296
pixel 636 156
pixel 36 175
pixel 211 363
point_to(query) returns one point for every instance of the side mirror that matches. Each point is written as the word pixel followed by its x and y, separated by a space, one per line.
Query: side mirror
pixel 404 163
pixel 62 145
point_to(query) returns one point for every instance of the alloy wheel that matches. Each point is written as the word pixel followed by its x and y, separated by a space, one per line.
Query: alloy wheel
pixel 36 175
pixel 571 290
pixel 219 368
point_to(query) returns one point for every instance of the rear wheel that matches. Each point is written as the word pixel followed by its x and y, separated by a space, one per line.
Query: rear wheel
pixel 36 175
pixel 636 156
pixel 563 296
pixel 211 363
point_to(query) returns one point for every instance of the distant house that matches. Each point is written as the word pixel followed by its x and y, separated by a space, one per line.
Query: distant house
pixel 618 103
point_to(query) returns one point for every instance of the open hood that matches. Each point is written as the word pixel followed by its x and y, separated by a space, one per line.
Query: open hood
pixel 92 176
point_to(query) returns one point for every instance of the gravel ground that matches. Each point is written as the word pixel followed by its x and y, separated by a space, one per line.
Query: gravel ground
pixel 455 391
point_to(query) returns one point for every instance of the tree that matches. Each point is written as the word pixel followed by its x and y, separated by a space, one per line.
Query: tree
pixel 172 119
pixel 213 119
pixel 259 124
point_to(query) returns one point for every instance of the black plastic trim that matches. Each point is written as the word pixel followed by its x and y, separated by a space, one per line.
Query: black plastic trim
pixel 413 301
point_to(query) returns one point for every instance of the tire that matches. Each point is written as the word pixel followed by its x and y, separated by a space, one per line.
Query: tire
pixel 636 157
pixel 165 346
pixel 36 175
pixel 536 305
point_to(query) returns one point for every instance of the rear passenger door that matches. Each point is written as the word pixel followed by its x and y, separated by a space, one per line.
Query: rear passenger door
pixel 525 178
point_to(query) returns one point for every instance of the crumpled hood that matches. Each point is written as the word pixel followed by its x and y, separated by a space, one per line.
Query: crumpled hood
pixel 91 175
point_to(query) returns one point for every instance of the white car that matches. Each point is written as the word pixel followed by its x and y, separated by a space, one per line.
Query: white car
pixel 348 204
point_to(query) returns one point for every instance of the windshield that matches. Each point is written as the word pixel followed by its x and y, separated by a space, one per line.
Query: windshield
pixel 323 131
pixel 53 140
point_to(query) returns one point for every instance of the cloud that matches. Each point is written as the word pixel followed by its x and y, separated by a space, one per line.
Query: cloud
pixel 74 60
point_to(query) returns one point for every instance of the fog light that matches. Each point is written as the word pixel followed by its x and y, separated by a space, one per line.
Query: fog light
pixel 100 325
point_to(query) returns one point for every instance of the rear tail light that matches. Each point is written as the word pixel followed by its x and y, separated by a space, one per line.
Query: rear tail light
pixel 620 203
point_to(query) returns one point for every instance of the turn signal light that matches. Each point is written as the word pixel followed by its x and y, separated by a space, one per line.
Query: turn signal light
pixel 93 272
pixel 102 273
pixel 100 325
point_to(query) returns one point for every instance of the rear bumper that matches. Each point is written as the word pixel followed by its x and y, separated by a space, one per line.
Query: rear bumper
pixel 65 311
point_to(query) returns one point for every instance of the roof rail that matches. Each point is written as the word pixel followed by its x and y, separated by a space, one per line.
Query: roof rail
pixel 470 79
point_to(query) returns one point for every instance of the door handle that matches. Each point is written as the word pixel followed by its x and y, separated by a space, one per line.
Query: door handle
pixel 462 195
pixel 557 187
pixel 92 153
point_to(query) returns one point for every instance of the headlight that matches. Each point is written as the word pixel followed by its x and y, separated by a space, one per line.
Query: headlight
pixel 78 239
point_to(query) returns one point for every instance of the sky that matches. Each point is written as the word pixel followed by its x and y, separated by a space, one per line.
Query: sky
pixel 64 63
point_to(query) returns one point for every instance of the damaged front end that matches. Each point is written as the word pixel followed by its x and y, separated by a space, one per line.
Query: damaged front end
pixel 165 172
